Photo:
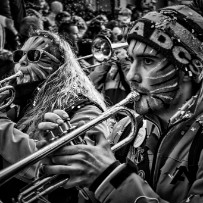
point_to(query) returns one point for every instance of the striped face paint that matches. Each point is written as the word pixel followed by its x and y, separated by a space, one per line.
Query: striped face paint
pixel 153 76
pixel 36 71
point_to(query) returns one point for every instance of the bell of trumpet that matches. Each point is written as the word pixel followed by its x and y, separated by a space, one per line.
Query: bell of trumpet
pixel 67 135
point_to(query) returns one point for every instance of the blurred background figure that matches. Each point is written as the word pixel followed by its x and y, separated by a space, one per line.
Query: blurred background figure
pixel 11 13
pixel 28 24
pixel 117 34
pixel 69 31
pixel 124 15
pixel 62 17
pixel 44 7
pixel 13 10
pixel 81 24
pixel 56 7
pixel 95 26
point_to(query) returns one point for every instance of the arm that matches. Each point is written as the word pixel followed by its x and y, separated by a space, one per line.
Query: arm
pixel 123 185
pixel 98 76
pixel 15 145
pixel 3 20
pixel 8 23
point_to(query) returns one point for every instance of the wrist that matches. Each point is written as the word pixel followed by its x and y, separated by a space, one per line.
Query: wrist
pixel 102 176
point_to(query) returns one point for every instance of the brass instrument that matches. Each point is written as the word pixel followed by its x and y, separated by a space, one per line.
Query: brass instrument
pixel 18 74
pixel 8 90
pixel 103 49
pixel 37 190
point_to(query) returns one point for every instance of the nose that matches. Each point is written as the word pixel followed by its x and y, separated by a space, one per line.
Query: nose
pixel 133 75
pixel 23 61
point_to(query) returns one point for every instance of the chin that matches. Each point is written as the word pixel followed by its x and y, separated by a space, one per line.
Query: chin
pixel 146 105
pixel 141 107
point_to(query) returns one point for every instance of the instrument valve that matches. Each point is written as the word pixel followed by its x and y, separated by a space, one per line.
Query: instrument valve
pixel 56 133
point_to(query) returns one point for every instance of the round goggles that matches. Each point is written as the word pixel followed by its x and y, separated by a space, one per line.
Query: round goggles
pixel 33 55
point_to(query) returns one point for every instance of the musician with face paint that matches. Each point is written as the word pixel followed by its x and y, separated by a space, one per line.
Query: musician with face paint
pixel 166 51
pixel 51 79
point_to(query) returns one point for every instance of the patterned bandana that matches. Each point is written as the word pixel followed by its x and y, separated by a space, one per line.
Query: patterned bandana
pixel 177 33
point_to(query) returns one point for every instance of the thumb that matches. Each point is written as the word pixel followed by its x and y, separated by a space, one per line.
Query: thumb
pixel 40 144
pixel 80 123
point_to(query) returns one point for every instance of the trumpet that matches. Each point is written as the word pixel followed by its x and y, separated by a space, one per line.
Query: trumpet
pixel 37 189
pixel 8 90
pixel 18 74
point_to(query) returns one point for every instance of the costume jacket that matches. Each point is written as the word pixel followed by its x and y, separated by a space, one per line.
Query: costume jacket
pixel 15 145
pixel 161 172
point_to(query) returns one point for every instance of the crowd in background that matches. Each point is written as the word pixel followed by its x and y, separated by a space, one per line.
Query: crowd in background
pixel 159 76
pixel 79 32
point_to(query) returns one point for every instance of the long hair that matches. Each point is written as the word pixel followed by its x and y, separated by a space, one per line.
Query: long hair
pixel 60 90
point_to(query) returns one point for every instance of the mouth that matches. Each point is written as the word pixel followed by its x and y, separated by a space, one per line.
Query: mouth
pixel 24 79
pixel 142 92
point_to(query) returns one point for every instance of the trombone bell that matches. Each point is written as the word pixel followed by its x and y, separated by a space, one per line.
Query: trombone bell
pixel 102 48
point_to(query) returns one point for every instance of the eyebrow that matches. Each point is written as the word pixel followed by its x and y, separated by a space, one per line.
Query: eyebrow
pixel 143 55
pixel 147 55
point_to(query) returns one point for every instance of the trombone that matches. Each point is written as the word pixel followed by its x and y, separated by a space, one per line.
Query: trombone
pixel 37 190
pixel 102 49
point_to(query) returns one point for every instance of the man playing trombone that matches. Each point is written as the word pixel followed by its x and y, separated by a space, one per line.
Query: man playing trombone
pixel 51 79
pixel 166 51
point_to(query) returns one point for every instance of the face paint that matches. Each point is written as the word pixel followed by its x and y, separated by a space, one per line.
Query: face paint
pixel 153 76
pixel 35 71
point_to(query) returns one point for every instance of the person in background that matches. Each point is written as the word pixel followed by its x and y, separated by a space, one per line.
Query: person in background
pixel 95 26
pixel 52 79
pixel 165 159
pixel 7 28
pixel 28 24
pixel 117 34
pixel 62 17
pixel 55 7
pixel 44 7
pixel 14 10
pixel 70 32
pixel 81 24
pixel 110 77
pixel 124 16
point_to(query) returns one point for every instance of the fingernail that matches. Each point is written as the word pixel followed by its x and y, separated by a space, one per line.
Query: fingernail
pixel 53 125
pixel 65 116
pixel 59 121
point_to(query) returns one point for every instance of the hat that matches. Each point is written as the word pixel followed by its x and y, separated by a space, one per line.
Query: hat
pixel 177 33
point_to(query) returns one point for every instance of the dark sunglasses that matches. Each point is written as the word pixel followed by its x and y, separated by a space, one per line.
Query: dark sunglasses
pixel 33 55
